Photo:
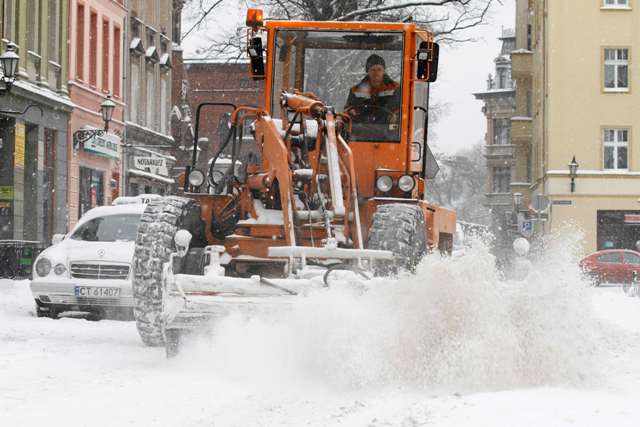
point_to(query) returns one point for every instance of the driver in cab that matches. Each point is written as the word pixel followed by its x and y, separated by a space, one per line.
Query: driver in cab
pixel 376 99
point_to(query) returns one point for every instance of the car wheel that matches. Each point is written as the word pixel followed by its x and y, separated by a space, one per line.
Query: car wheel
pixel 46 310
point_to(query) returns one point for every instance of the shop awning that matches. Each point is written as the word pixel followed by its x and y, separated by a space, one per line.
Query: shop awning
pixel 153 176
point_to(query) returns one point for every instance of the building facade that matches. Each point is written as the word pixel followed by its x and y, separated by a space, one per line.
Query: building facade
pixel 95 71
pixel 148 142
pixel 582 71
pixel 34 120
pixel 211 81
pixel 500 152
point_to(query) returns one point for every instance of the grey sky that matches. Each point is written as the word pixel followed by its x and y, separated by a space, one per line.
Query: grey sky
pixel 463 69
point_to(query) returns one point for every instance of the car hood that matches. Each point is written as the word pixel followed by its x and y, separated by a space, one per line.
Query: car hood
pixel 78 250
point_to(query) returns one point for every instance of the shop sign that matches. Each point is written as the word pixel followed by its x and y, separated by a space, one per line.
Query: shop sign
pixel 104 145
pixel 632 219
pixel 156 165
pixel 6 192
pixel 18 157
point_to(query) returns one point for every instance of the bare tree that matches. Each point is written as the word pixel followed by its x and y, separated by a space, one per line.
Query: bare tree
pixel 447 19
pixel 461 184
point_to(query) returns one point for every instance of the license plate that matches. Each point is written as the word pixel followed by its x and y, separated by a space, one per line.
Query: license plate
pixel 93 292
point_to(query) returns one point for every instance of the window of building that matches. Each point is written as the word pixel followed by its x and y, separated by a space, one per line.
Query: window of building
pixel 501 179
pixel 616 148
pixel 80 42
pixel 54 44
pixel 164 102
pixel 616 70
pixel 33 26
pixel 116 61
pixel 501 131
pixel 105 54
pixel 93 49
pixel 615 4
pixel 151 98
pixel 7 20
pixel 134 102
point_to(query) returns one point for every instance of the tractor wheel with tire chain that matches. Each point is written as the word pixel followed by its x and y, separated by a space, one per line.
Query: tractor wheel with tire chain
pixel 399 228
pixel 161 219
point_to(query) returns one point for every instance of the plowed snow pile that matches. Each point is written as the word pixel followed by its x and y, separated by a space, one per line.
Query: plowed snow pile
pixel 456 325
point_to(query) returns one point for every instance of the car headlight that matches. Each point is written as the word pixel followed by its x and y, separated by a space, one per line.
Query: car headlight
pixel 406 183
pixel 43 267
pixel 384 183
pixel 60 269
pixel 196 178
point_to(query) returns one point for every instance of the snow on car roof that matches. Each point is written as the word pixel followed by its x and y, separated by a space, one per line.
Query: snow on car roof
pixel 112 210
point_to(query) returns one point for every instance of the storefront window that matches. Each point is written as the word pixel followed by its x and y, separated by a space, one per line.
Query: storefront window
pixel 91 190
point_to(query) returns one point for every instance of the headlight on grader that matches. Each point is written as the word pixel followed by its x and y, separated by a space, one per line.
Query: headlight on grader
pixel 406 183
pixel 384 183
pixel 196 178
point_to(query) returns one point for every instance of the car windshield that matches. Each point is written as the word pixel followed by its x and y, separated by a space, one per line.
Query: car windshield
pixel 109 228
pixel 356 72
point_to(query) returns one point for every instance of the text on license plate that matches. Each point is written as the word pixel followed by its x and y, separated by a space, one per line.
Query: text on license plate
pixel 86 291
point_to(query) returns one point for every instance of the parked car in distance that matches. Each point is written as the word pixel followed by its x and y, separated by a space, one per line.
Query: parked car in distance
pixel 612 266
pixel 89 269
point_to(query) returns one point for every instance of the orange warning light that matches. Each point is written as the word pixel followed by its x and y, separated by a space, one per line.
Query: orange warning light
pixel 254 18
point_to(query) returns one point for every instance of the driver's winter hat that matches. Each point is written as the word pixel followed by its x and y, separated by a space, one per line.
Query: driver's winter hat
pixel 374 60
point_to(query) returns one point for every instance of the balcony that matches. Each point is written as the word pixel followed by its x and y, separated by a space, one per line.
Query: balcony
pixel 521 64
pixel 521 128
pixel 499 151
pixel 498 199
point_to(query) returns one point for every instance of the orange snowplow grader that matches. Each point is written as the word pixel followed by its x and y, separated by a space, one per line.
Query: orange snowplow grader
pixel 332 185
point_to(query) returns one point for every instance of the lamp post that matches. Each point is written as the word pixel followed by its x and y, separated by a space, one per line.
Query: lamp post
pixel 82 135
pixel 9 63
pixel 573 172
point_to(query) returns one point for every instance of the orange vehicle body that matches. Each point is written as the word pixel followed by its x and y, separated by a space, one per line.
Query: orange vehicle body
pixel 361 162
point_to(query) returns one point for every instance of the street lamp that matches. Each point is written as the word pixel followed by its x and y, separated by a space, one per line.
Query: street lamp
pixel 83 135
pixel 9 63
pixel 573 172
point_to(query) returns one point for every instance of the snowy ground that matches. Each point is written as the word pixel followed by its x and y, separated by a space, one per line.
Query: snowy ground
pixel 467 350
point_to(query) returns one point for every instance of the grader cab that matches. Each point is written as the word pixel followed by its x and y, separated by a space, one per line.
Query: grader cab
pixel 333 183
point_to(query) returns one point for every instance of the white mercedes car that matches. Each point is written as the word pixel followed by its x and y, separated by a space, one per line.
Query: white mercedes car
pixel 89 269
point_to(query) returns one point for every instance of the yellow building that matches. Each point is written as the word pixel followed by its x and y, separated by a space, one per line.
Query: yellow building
pixel 575 70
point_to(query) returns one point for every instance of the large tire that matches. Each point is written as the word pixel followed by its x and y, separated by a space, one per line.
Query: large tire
pixel 159 223
pixel 398 228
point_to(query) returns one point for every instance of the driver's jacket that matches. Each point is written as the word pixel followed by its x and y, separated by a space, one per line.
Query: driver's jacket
pixel 374 105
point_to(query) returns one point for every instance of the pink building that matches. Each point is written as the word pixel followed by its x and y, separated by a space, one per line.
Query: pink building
pixel 96 29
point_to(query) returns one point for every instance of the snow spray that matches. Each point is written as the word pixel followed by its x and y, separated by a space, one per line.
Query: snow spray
pixel 455 325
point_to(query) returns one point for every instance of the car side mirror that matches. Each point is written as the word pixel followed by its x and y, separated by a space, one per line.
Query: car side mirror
pixel 57 238
pixel 256 57
pixel 428 56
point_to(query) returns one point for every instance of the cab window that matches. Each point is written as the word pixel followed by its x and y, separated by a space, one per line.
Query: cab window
pixel 359 73
pixel 109 228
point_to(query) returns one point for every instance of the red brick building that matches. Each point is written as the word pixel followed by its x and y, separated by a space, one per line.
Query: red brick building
pixel 218 82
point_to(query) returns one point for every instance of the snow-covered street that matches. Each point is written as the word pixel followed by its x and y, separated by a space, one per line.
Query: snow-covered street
pixel 517 356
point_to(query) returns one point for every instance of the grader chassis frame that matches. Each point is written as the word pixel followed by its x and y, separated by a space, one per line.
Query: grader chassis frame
pixel 312 202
